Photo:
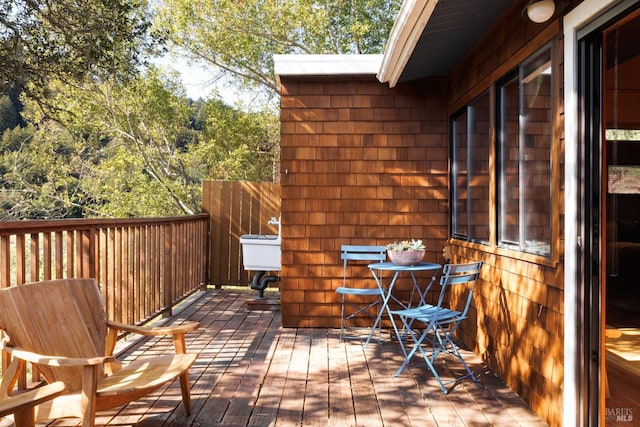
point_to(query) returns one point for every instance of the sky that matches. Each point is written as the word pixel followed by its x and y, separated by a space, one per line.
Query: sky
pixel 197 80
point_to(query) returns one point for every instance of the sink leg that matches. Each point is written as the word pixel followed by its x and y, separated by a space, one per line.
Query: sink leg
pixel 255 283
pixel 260 283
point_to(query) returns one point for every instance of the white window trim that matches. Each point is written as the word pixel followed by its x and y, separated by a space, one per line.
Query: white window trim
pixel 585 12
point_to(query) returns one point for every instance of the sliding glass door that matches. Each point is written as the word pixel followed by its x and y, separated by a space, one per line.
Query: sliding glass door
pixel 621 199
pixel 610 130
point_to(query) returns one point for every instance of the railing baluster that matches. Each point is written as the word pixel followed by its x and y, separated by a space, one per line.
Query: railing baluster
pixel 167 275
pixel 110 283
pixel 70 252
pixel 34 257
pixel 20 260
pixel 59 254
pixel 5 261
pixel 46 255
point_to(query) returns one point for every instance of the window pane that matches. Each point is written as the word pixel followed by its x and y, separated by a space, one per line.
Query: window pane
pixel 510 162
pixel 536 154
pixel 478 161
pixel 459 144
pixel 525 116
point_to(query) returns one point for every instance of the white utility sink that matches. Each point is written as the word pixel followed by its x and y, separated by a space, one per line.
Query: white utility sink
pixel 261 252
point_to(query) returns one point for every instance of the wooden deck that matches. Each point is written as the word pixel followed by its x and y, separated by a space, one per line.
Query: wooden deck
pixel 253 372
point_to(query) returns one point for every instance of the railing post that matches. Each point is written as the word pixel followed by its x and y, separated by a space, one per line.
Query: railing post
pixel 206 268
pixel 167 267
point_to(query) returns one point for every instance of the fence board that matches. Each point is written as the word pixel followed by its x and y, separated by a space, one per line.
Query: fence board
pixel 236 208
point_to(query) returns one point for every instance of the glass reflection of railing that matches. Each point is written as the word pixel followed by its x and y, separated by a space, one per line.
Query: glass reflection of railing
pixel 538 246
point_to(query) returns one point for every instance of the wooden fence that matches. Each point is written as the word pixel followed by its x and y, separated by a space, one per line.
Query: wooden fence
pixel 236 208
pixel 144 266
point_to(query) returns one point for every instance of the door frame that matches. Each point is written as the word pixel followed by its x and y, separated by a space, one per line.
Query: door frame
pixel 579 355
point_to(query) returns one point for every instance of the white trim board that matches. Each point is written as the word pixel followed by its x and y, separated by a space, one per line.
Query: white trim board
pixel 326 65
pixel 578 18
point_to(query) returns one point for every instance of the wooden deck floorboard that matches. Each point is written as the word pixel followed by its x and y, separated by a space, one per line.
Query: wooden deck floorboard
pixel 252 372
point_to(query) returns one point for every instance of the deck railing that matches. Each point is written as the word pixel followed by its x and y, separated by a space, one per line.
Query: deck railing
pixel 144 266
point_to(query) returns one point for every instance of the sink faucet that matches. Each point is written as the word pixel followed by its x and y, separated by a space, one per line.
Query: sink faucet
pixel 276 221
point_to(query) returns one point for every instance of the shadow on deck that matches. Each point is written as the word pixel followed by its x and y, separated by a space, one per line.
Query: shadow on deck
pixel 253 372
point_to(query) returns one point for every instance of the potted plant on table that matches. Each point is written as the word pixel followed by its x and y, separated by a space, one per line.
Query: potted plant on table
pixel 406 252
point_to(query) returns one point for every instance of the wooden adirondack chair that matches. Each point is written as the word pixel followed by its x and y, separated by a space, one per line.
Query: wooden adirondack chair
pixel 61 327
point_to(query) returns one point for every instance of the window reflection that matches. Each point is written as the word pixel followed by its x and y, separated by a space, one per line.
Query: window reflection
pixel 471 150
pixel 524 129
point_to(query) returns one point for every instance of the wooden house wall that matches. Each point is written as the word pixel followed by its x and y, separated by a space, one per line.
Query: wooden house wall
pixel 360 164
pixel 518 318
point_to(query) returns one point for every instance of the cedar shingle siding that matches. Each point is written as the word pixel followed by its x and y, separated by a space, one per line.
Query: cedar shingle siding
pixel 361 164
pixel 366 164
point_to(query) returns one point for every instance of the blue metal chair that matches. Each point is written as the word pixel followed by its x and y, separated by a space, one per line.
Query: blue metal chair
pixel 440 322
pixel 350 253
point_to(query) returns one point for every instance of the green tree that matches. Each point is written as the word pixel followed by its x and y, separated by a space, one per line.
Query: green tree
pixel 237 145
pixel 135 133
pixel 68 40
pixel 239 38
pixel 40 174
pixel 138 148
pixel 8 114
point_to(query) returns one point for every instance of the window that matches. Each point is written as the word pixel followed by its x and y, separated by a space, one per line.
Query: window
pixel 524 146
pixel 470 131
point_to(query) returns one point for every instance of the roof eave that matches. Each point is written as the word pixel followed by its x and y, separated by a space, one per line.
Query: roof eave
pixel 407 29
pixel 325 65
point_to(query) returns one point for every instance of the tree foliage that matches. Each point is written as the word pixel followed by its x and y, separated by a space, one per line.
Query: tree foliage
pixel 39 174
pixel 240 37
pixel 133 149
pixel 68 40
pixel 109 138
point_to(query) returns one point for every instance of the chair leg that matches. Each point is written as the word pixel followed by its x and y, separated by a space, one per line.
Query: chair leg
pixel 343 321
pixel 88 400
pixel 185 387
pixel 357 310
pixel 441 339
pixel 24 417
pixel 456 352
pixel 417 346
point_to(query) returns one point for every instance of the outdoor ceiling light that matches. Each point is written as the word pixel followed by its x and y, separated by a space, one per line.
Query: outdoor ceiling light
pixel 540 11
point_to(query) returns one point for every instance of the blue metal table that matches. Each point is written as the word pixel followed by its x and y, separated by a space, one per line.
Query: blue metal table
pixel 377 270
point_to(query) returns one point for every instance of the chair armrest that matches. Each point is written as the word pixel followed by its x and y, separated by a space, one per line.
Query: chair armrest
pixel 56 360
pixel 30 398
pixel 44 359
pixel 155 330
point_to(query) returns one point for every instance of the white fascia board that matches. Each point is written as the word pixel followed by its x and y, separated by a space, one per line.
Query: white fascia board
pixel 406 31
pixel 326 65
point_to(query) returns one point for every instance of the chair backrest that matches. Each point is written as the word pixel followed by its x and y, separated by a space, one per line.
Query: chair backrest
pixel 59 318
pixel 361 253
pixel 459 274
